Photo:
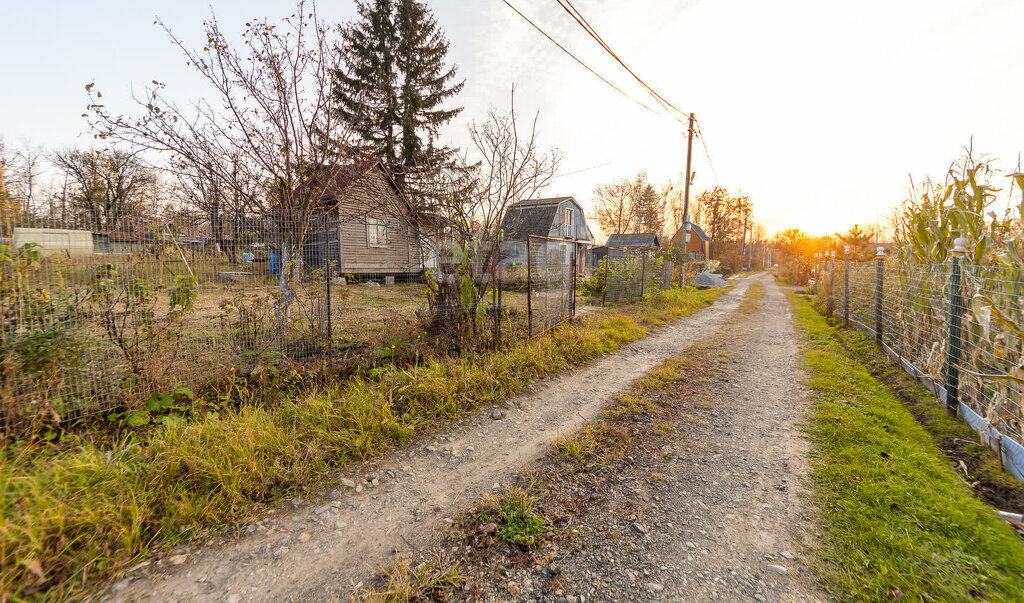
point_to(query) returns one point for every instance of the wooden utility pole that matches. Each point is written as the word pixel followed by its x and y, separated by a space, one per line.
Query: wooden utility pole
pixel 686 203
pixel 686 185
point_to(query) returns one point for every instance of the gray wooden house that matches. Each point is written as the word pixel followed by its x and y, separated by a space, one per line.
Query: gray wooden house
pixel 367 226
pixel 558 217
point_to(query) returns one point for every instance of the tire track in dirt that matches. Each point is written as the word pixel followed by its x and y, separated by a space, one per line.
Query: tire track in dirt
pixel 326 549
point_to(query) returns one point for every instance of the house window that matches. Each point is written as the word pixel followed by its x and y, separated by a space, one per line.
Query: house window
pixel 568 221
pixel 376 232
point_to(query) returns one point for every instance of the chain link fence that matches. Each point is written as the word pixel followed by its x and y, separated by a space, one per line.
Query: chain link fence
pixel 956 327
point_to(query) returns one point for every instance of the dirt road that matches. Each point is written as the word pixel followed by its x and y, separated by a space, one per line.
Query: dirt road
pixel 725 518
pixel 324 549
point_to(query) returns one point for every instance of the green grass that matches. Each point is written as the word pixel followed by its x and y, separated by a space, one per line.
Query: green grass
pixel 951 434
pixel 895 519
pixel 85 510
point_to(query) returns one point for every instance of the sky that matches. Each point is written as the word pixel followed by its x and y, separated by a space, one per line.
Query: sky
pixel 819 111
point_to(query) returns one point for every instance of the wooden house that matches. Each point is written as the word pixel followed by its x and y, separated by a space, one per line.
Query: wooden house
pixel 366 225
pixel 557 218
pixel 699 246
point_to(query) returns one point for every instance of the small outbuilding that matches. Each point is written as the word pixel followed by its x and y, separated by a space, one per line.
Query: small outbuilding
pixel 641 241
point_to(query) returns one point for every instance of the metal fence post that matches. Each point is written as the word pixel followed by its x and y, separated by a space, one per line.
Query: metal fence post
pixel 879 276
pixel 575 259
pixel 607 272
pixel 956 313
pixel 495 297
pixel 830 302
pixel 643 272
pixel 529 287
pixel 327 274
pixel 846 285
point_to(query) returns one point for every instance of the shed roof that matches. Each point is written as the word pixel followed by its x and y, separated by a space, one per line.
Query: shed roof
pixel 640 240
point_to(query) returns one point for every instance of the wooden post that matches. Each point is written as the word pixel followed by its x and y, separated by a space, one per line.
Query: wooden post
pixel 643 272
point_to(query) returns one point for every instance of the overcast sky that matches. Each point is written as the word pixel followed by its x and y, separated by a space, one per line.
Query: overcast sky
pixel 816 110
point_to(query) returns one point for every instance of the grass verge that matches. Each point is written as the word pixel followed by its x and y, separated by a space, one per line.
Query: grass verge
pixel 952 435
pixel 78 513
pixel 896 520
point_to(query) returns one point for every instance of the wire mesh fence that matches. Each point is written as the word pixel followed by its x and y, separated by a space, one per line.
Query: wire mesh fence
pixel 957 329
pixel 552 269
pixel 98 318
pixel 625 272
pixel 95 317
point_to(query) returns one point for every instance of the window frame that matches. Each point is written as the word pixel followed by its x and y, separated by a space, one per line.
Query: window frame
pixel 376 232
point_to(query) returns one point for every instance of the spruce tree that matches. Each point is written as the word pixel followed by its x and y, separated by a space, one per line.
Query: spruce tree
pixel 393 86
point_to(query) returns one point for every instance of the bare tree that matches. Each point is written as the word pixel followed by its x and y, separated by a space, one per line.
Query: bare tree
pixel 613 207
pixel 109 186
pixel 269 117
pixel 630 205
pixel 467 228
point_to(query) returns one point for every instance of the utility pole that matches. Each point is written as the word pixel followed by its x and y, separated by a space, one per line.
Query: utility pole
pixel 686 186
pixel 686 198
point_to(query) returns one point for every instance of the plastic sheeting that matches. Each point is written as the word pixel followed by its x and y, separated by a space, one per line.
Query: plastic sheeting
pixel 707 280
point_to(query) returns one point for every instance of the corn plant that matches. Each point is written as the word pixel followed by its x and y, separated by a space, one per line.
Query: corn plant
pixel 925 228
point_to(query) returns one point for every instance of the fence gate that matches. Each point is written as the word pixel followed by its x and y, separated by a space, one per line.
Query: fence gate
pixel 551 282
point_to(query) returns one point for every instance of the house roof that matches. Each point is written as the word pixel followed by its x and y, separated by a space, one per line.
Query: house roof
pixel 695 229
pixel 535 217
pixel 526 218
pixel 346 175
pixel 641 240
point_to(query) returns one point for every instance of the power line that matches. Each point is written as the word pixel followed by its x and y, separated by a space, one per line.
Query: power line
pixel 664 103
pixel 707 154
pixel 575 58
pixel 582 21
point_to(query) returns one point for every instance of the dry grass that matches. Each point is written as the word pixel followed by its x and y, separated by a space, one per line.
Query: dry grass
pixel 83 510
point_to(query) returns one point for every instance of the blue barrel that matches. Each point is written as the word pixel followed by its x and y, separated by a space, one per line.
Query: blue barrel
pixel 273 263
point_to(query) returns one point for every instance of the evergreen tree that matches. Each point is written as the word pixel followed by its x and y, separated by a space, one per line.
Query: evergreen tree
pixel 393 85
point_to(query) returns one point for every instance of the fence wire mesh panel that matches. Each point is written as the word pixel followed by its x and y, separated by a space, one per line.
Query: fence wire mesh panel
pixel 625 273
pixel 915 319
pixel 552 282
pixel 100 317
pixel 992 367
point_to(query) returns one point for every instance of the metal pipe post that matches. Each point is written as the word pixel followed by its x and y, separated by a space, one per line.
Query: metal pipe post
pixel 529 286
pixel 846 285
pixel 879 276
pixel 956 314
